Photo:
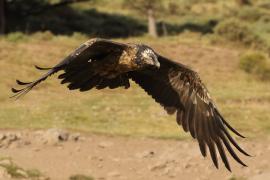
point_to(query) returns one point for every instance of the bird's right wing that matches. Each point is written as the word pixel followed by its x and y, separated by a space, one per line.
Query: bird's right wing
pixel 179 90
pixel 78 60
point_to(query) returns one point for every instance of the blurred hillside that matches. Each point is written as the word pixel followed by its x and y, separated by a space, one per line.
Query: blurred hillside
pixel 106 18
pixel 219 21
pixel 211 36
pixel 243 99
pixel 226 41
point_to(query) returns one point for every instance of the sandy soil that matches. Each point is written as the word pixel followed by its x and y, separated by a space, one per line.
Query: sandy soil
pixel 121 158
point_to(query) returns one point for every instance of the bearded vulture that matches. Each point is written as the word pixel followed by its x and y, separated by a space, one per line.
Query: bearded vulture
pixel 101 63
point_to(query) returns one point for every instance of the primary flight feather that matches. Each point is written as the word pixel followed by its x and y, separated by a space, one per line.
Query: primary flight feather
pixel 100 63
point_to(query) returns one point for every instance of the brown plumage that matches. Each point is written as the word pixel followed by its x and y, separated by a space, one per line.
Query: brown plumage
pixel 101 63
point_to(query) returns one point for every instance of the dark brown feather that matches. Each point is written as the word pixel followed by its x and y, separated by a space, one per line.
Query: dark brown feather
pixel 196 111
pixel 76 65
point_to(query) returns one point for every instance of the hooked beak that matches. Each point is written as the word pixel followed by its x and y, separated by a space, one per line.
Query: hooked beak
pixel 156 63
pixel 152 61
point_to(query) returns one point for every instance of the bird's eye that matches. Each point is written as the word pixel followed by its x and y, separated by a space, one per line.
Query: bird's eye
pixel 138 61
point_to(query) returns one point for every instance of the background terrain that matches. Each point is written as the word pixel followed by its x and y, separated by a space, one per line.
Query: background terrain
pixel 212 37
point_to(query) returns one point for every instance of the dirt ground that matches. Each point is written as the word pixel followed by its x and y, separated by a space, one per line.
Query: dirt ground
pixel 121 158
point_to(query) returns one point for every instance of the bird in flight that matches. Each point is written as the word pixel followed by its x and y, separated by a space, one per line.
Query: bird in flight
pixel 100 63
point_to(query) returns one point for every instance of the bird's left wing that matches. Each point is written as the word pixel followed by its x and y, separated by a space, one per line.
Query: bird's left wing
pixel 79 59
pixel 179 90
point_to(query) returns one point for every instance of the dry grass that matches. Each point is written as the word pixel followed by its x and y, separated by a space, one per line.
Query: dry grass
pixel 243 101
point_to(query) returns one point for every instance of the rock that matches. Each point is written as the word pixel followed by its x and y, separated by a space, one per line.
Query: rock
pixel 26 142
pixel 114 174
pixel 158 166
pixel 4 174
pixel 101 178
pixel 90 157
pixel 60 147
pixel 97 158
pixel 75 137
pixel 14 145
pixel 172 175
pixel 43 178
pixel 36 149
pixel 258 171
pixel 12 137
pixel 54 136
pixel 262 176
pixel 116 159
pixel 38 133
pixel 166 171
pixel 203 178
pixel 187 166
pixel 81 138
pixel 22 173
pixel 5 161
pixel 8 139
pixel 63 136
pixel 78 149
pixel 105 144
pixel 145 154
pixel 2 137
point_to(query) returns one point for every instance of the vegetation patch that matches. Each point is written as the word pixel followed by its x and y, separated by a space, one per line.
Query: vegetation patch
pixel 16 36
pixel 80 177
pixel 256 63
pixel 16 171
pixel 236 31
pixel 251 14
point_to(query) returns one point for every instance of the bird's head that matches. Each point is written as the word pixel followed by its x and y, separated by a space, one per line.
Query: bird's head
pixel 147 57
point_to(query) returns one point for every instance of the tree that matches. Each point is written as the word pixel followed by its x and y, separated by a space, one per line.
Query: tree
pixel 47 6
pixel 21 8
pixel 3 22
pixel 148 7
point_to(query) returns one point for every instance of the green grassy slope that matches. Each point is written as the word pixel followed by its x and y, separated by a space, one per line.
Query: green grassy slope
pixel 244 101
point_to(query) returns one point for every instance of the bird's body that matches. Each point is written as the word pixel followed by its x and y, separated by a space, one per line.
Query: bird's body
pixel 111 66
pixel 100 63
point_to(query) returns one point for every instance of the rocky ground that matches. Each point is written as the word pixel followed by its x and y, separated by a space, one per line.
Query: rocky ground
pixel 58 154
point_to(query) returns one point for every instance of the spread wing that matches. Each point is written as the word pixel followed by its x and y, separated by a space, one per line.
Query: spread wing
pixel 179 90
pixel 80 68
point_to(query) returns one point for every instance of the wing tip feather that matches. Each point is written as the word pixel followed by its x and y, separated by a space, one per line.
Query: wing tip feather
pixel 16 90
pixel 22 83
pixel 41 68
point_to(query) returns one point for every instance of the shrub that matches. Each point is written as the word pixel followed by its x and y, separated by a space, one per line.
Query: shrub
pixel 81 177
pixel 80 36
pixel 252 61
pixel 265 19
pixel 15 37
pixel 236 31
pixel 265 75
pixel 44 36
pixel 250 14
pixel 257 64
